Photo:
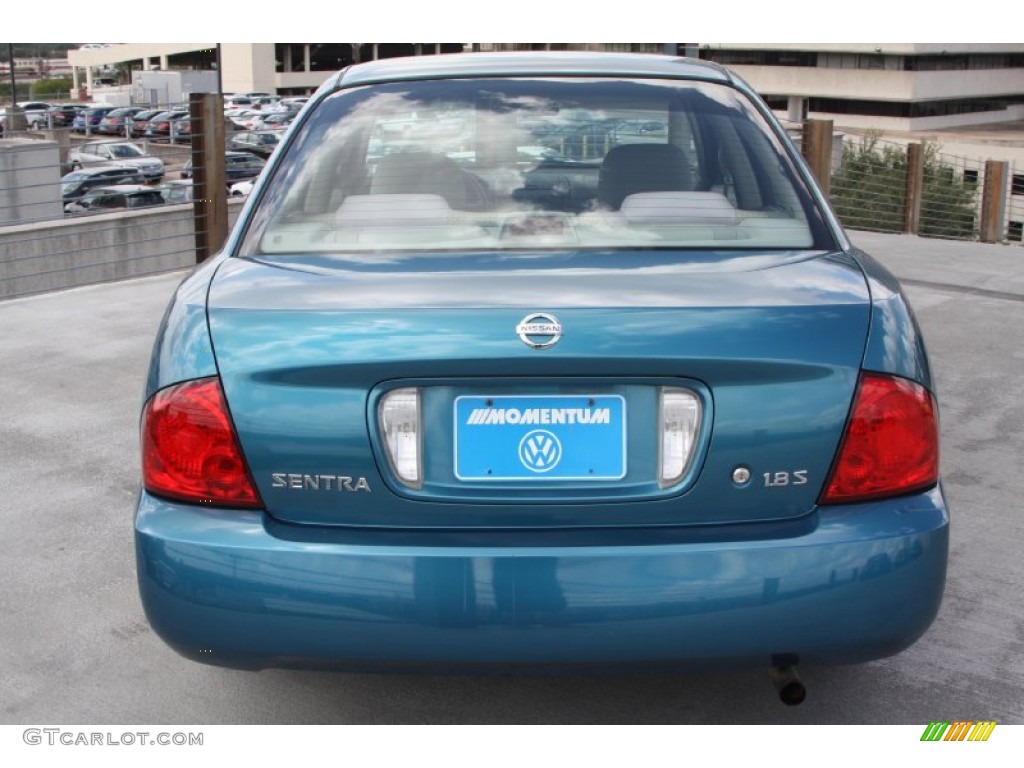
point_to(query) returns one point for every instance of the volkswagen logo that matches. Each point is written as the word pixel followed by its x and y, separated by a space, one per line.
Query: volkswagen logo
pixel 539 330
pixel 540 451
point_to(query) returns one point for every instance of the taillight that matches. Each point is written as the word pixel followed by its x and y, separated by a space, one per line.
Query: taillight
pixel 189 449
pixel 891 442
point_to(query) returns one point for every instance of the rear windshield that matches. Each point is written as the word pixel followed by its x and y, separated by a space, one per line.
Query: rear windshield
pixel 534 163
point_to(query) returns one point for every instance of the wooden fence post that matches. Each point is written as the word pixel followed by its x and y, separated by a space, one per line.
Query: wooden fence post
pixel 209 185
pixel 914 189
pixel 993 201
pixel 816 147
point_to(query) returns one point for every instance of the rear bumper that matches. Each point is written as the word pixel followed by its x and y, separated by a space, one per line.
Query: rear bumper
pixel 861 582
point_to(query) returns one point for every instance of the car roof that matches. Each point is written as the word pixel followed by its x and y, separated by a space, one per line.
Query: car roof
pixel 110 142
pixel 107 170
pixel 124 189
pixel 526 63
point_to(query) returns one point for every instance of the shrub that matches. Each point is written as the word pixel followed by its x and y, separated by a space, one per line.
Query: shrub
pixel 869 188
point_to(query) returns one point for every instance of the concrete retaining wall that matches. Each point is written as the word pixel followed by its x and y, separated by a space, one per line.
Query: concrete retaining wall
pixel 49 256
pixel 29 181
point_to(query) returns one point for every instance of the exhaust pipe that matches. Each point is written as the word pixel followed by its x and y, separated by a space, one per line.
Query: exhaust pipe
pixel 787 683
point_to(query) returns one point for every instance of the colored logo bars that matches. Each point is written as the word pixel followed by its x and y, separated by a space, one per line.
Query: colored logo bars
pixel 960 730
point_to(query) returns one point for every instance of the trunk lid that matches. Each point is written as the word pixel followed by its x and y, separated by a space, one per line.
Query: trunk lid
pixel 771 344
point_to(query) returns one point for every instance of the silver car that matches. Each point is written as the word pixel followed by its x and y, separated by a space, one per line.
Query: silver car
pixel 121 154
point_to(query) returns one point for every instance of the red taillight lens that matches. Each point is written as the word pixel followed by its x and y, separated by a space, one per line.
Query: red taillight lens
pixel 891 443
pixel 189 448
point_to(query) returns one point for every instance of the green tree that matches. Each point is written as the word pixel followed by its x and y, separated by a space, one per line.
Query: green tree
pixel 52 89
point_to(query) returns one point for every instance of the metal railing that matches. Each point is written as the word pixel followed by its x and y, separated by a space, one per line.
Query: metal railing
pixel 1015 205
pixel 869 189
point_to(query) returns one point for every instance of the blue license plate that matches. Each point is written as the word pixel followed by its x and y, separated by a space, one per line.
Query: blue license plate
pixel 544 437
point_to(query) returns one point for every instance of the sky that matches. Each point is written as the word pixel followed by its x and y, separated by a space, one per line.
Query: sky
pixel 524 20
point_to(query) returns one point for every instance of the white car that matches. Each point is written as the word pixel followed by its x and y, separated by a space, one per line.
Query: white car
pixel 248 120
pixel 241 188
pixel 35 113
pixel 122 154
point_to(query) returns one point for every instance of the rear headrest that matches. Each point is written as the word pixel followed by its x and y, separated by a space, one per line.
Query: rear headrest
pixel 678 208
pixel 633 168
pixel 392 211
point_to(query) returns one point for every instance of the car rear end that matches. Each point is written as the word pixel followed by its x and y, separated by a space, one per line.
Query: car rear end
pixel 114 123
pixel 94 117
pixel 62 116
pixel 159 127
pixel 140 121
pixel 151 168
pixel 461 393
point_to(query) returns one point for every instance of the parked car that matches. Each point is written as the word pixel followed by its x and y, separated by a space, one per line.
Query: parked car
pixel 116 121
pixel 77 183
pixel 241 188
pixel 238 166
pixel 274 121
pixel 423 413
pixel 91 117
pixel 140 121
pixel 159 126
pixel 177 191
pixel 115 198
pixel 183 129
pixel 63 115
pixel 117 153
pixel 261 143
pixel 237 101
pixel 266 103
pixel 35 113
pixel 247 120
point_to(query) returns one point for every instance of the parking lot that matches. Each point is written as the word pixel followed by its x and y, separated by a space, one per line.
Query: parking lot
pixel 76 647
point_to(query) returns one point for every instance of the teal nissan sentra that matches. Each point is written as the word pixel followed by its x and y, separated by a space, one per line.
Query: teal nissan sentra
pixel 539 361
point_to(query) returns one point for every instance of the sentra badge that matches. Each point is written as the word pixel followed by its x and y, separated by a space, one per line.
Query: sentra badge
pixel 341 483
